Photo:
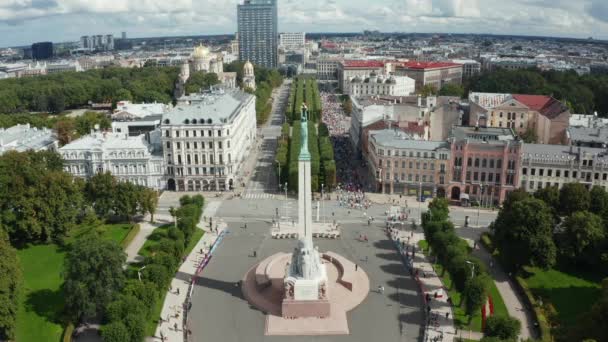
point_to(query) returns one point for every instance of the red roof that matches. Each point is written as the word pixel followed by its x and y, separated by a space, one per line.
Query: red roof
pixel 546 105
pixel 534 102
pixel 363 64
pixel 429 65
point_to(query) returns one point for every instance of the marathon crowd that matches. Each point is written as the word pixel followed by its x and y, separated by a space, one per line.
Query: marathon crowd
pixel 338 125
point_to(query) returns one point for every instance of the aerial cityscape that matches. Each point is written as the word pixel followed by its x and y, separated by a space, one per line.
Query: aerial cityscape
pixel 329 170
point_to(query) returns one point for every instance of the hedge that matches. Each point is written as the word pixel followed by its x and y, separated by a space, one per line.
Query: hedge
pixel 68 332
pixel 129 238
pixel 539 316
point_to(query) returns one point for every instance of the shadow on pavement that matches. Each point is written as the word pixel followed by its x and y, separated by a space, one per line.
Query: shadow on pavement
pixel 231 288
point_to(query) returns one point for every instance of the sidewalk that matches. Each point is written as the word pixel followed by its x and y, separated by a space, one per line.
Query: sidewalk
pixel 145 230
pixel 438 326
pixel 173 307
pixel 514 304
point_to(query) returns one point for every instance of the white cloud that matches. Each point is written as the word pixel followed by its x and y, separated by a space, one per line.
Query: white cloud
pixel 68 19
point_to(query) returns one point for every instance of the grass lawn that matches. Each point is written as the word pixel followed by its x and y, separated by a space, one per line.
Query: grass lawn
pixel 115 232
pixel 570 293
pixel 154 239
pixel 42 302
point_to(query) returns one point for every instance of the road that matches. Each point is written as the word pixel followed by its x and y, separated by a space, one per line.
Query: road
pixel 263 182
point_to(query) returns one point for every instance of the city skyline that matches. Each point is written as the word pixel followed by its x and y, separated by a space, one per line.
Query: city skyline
pixel 25 22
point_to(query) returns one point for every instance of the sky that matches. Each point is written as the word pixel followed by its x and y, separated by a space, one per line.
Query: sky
pixel 23 22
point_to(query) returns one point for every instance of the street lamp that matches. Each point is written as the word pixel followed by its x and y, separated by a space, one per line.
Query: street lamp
pixel 420 197
pixel 322 213
pixel 285 200
pixel 472 268
pixel 139 273
pixel 479 204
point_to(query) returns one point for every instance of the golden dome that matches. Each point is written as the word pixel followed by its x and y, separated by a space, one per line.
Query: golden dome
pixel 248 67
pixel 200 51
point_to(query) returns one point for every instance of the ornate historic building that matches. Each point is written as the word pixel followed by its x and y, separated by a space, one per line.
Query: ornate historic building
pixel 248 76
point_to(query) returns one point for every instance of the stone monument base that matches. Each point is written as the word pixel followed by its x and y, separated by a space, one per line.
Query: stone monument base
pixel 263 287
pixel 305 308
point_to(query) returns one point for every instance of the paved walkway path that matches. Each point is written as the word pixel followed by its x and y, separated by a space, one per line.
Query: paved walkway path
pixel 440 318
pixel 172 314
pixel 145 229
pixel 512 300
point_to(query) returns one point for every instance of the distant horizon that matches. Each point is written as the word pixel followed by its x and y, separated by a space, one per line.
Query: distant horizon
pixel 25 22
pixel 118 36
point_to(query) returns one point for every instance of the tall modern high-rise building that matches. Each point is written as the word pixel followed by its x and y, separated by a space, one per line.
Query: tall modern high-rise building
pixel 43 50
pixel 258 32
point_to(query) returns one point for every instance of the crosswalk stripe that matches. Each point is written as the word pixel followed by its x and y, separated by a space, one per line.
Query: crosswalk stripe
pixel 258 196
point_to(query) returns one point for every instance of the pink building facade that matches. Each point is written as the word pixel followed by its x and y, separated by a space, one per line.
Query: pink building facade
pixel 485 164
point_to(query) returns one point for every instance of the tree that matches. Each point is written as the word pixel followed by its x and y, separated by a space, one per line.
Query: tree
pixel 452 89
pixel 549 195
pixel 149 202
pixel 583 237
pixel 474 294
pixel 65 131
pixel 428 90
pixel 573 197
pixel 348 106
pixel 127 199
pixel 115 332
pixel 599 201
pixel 529 136
pixel 11 281
pixel 523 234
pixel 439 209
pixel 503 327
pixel 93 276
pixel 100 192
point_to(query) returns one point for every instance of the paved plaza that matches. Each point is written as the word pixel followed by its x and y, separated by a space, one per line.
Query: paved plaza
pixel 220 313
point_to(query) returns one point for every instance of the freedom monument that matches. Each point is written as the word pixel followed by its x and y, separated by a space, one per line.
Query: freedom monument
pixel 305 292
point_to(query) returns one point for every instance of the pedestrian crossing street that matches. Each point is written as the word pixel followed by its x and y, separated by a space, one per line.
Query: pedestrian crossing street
pixel 258 195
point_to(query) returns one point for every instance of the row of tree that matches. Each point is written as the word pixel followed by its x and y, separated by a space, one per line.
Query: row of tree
pixel 39 202
pixel 323 165
pixel 565 228
pixel 304 90
pixel 56 92
pixel 266 81
pixel 132 305
pixel 11 282
pixel 468 273
pixel 584 94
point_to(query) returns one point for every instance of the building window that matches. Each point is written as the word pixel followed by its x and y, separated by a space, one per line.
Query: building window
pixel 424 166
pixel 409 177
pixel 167 134
pixel 177 134
pixel 417 165
pixel 179 145
pixel 476 162
pixel 531 185
pixel 168 144
pixel 470 162
pixel 566 174
pixel 187 145
pixel 557 173
pixel 219 145
pixel 490 177
pixel 524 171
pixel 403 164
pixel 541 172
pixel 483 177
pixel 498 178
pixel 533 172
pixel 549 172
pixel 468 176
pixel 475 176
pixel 411 165
pixel 574 174
pixel 484 163
pixel 499 164
pixel 388 163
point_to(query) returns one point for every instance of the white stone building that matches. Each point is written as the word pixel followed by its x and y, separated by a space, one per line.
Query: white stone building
pixel 375 84
pixel 22 138
pixel 555 165
pixel 134 159
pixel 292 40
pixel 206 139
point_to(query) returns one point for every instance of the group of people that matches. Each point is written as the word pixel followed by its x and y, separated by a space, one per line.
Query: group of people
pixel 355 199
pixel 338 125
pixel 333 114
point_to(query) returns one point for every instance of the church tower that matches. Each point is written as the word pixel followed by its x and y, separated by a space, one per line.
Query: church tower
pixel 248 76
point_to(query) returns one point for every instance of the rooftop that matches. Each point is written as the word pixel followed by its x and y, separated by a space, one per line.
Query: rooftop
pixel 363 64
pixel 489 135
pixel 429 65
pixel 218 106
pixel 23 137
pixel 103 141
pixel 488 100
pixel 546 105
pixel 561 152
pixel 591 135
pixel 397 139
